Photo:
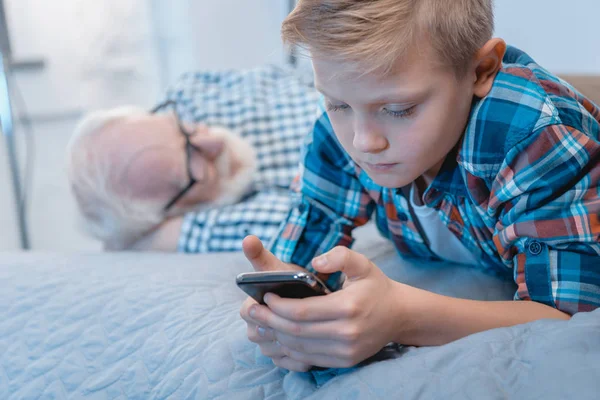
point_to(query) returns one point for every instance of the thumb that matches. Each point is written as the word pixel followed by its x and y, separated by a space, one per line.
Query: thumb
pixel 341 259
pixel 260 258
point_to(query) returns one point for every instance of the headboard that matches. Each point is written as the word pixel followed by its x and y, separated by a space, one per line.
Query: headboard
pixel 589 85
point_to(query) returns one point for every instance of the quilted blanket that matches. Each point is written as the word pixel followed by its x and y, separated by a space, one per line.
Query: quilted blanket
pixel 166 326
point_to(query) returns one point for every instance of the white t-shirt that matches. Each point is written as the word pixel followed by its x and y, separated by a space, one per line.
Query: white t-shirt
pixel 442 242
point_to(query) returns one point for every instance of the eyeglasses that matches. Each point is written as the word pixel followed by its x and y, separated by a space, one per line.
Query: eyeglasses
pixel 189 148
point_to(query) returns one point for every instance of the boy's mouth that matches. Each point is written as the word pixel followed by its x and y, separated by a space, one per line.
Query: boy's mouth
pixel 381 167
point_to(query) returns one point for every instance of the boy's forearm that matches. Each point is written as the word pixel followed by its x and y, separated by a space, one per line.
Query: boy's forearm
pixel 435 319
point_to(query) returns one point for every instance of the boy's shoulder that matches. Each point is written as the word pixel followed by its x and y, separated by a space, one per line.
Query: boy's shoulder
pixel 524 100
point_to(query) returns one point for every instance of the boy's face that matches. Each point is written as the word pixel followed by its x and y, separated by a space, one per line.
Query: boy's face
pixel 400 126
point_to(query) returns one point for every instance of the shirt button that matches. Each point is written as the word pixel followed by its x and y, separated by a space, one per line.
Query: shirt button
pixel 535 247
pixel 402 216
pixel 302 208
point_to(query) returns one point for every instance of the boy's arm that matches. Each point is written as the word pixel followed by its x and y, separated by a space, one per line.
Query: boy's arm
pixel 329 202
pixel 435 319
pixel 547 196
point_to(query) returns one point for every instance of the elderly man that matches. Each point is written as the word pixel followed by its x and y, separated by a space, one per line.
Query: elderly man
pixel 207 167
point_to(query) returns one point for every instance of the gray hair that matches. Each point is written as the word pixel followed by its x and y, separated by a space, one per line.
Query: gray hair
pixel 111 216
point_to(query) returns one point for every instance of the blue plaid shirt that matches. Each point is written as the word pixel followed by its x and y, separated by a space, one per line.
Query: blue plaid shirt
pixel 520 191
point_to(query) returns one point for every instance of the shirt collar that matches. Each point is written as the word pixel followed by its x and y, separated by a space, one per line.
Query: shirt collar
pixel 449 179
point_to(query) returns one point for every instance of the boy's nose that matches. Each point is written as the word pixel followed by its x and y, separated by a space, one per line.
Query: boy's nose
pixel 367 141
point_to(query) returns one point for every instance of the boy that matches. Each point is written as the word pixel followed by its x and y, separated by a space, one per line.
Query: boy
pixel 464 149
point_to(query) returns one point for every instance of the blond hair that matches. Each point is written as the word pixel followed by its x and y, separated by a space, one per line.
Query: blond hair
pixel 375 34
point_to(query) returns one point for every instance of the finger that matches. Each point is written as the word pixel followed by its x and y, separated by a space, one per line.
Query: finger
pixel 318 360
pixel 271 350
pixel 250 315
pixel 333 306
pixel 259 334
pixel 291 365
pixel 321 330
pixel 260 258
pixel 245 311
pixel 354 265
pixel 329 348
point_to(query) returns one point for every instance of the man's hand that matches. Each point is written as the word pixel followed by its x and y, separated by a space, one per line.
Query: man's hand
pixel 342 328
pixel 263 260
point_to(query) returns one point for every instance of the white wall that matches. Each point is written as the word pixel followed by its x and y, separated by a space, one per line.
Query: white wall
pixel 110 52
pixel 563 36
pixel 97 53
pixel 209 34
pixel 103 53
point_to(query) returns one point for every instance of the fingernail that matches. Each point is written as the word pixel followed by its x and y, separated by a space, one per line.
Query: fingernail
pixel 267 298
pixel 261 331
pixel 320 261
pixel 252 311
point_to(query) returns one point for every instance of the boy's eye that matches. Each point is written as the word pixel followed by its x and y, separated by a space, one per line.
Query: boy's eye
pixel 337 107
pixel 400 113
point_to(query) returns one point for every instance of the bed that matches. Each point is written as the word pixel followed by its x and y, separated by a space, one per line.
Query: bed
pixel 167 326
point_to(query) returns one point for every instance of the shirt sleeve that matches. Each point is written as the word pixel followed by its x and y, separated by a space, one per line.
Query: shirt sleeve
pixel 547 196
pixel 328 202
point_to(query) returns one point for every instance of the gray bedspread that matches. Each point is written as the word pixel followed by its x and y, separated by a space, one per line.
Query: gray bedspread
pixel 158 326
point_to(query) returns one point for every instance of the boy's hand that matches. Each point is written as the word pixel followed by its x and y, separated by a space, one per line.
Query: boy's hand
pixel 263 260
pixel 269 346
pixel 343 328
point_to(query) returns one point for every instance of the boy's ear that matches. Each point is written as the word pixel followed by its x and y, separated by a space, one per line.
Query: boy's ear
pixel 488 62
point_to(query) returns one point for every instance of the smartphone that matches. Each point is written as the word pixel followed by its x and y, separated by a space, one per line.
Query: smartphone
pixel 290 284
